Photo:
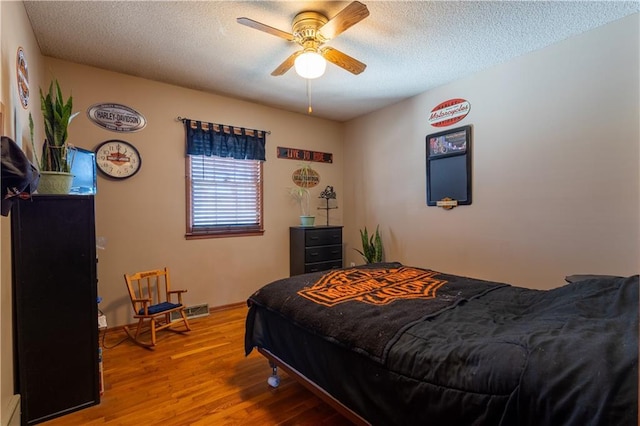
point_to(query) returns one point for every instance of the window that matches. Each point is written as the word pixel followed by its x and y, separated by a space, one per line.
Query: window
pixel 224 179
pixel 224 197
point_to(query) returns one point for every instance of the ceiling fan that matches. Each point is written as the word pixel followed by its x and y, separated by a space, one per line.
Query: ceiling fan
pixel 311 30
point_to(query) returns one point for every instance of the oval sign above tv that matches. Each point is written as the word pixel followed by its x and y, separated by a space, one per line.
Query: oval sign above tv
pixel 449 112
pixel 116 117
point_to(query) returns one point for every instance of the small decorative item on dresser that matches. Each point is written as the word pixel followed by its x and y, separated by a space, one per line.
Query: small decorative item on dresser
pixel 55 164
pixel 304 178
pixel 328 194
pixel 301 196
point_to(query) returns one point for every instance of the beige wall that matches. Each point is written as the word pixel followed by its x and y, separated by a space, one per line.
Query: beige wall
pixel 15 31
pixel 142 219
pixel 555 174
pixel 555 168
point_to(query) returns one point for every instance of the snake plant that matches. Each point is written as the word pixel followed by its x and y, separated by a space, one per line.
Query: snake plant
pixel 371 246
pixel 57 115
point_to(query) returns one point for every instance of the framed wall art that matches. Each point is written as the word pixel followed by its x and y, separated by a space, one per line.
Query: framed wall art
pixel 448 166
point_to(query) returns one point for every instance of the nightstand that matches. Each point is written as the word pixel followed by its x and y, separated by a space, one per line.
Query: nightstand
pixel 314 248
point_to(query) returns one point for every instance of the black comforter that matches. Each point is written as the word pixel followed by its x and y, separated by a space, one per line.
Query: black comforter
pixel 498 355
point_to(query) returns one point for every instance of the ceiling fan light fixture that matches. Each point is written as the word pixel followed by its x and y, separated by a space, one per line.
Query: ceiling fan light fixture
pixel 310 65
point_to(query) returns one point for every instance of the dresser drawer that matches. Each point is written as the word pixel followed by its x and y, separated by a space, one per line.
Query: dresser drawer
pixel 322 253
pixel 313 249
pixel 323 237
pixel 322 266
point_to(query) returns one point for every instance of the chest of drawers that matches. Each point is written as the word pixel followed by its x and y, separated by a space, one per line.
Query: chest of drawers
pixel 314 248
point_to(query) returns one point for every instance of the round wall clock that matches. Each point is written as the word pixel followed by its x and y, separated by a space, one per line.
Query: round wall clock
pixel 22 72
pixel 118 159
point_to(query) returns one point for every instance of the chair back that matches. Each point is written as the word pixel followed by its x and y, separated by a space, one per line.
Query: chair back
pixel 150 293
pixel 152 286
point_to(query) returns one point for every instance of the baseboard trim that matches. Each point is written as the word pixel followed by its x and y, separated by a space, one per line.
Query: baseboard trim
pixel 211 310
pixel 227 307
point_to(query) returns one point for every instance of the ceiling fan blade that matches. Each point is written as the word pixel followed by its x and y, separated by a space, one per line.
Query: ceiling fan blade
pixel 344 20
pixel 265 28
pixel 286 65
pixel 342 60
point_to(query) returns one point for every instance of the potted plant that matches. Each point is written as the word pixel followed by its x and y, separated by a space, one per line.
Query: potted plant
pixel 371 246
pixel 55 164
pixel 304 178
pixel 301 196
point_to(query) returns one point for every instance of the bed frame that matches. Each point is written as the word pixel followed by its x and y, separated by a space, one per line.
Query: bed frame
pixel 274 381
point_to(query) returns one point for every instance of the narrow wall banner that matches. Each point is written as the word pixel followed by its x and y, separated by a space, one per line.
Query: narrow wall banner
pixel 304 155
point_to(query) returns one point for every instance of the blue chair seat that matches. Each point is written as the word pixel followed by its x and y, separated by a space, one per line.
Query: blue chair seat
pixel 160 307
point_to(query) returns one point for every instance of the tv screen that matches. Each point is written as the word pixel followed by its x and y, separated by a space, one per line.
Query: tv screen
pixel 83 169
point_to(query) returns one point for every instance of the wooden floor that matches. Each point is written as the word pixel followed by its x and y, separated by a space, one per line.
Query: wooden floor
pixel 199 378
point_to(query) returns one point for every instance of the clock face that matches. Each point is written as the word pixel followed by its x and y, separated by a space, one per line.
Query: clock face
pixel 118 159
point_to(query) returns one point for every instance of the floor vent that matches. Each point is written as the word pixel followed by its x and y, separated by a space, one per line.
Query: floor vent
pixel 195 311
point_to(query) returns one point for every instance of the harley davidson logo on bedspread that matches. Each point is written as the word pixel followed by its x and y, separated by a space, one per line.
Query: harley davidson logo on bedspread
pixel 367 308
pixel 375 286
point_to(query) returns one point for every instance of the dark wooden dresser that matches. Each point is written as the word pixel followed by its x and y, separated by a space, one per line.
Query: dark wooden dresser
pixel 55 308
pixel 314 248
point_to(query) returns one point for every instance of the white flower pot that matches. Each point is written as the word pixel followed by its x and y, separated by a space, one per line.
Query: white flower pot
pixel 307 220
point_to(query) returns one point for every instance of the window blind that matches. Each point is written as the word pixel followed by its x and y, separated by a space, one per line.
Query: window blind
pixel 225 194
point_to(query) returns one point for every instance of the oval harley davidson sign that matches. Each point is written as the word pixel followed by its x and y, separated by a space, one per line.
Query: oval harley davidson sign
pixel 305 177
pixel 116 117
pixel 449 112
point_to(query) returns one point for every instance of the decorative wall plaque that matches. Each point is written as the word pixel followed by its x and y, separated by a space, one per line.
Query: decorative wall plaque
pixel 116 117
pixel 22 71
pixel 449 112
pixel 304 155
pixel 305 177
pixel 449 168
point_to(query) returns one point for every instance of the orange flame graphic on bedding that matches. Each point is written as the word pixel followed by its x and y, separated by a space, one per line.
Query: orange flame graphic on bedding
pixel 374 286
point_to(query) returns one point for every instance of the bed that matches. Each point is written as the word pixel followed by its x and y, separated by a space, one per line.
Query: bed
pixel 392 344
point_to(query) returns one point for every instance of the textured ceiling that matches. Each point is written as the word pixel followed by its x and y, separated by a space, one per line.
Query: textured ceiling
pixel 409 47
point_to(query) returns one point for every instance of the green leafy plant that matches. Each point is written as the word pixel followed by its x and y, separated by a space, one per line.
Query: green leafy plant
pixel 33 146
pixel 301 196
pixel 57 114
pixel 300 192
pixel 371 246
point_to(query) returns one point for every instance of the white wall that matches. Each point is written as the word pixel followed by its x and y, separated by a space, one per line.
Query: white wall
pixel 555 168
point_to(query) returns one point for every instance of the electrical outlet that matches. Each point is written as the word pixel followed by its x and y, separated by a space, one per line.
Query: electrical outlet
pixel 352 264
pixel 102 322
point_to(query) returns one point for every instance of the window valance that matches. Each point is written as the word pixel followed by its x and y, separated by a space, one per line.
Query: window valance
pixel 224 141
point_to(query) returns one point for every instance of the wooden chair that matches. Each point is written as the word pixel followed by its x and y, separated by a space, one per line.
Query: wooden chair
pixel 151 297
